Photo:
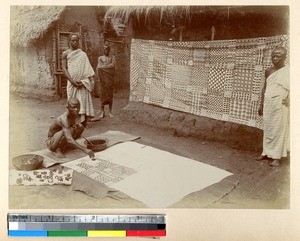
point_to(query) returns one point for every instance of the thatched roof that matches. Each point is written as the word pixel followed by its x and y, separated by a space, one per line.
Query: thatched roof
pixel 145 11
pixel 30 22
pixel 187 11
pixel 182 15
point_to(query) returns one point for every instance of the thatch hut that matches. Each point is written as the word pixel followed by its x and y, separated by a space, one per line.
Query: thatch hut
pixel 194 23
pixel 38 37
pixel 198 70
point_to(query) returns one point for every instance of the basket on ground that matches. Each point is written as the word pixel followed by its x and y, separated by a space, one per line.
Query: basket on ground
pixel 28 162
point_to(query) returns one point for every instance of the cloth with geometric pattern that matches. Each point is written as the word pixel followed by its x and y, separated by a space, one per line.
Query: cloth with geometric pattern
pixel 217 79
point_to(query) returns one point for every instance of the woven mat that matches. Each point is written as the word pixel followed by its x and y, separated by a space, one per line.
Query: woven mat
pixel 113 137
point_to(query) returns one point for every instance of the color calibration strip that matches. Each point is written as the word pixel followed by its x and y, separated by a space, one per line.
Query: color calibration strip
pixel 58 225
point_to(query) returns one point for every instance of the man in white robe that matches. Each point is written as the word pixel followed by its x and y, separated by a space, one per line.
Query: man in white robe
pixel 78 70
pixel 275 109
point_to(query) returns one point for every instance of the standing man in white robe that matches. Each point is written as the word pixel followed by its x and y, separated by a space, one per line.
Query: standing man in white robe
pixel 80 74
pixel 275 109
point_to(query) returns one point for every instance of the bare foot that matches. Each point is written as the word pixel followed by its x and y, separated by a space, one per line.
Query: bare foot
pixel 58 153
pixel 102 115
pixel 111 115
pixel 84 123
pixel 95 119
pixel 275 163
pixel 260 158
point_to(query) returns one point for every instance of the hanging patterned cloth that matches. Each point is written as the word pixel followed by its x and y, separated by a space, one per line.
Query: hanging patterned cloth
pixel 216 79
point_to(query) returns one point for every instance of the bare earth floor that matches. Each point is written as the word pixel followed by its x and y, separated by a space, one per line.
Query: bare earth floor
pixel 260 186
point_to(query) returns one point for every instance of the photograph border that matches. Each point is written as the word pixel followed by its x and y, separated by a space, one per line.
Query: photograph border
pixel 183 224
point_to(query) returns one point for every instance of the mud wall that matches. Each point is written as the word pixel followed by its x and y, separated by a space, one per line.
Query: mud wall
pixel 182 124
pixel 31 72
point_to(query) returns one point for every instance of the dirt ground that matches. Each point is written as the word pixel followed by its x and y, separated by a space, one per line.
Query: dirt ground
pixel 260 186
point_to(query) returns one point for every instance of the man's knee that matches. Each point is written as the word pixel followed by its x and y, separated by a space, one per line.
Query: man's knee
pixel 78 129
pixel 51 145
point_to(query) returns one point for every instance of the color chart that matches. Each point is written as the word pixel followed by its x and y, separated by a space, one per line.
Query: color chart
pixel 58 225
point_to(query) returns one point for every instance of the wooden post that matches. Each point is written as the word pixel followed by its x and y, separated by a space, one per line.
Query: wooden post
pixel 180 33
pixel 54 63
pixel 213 32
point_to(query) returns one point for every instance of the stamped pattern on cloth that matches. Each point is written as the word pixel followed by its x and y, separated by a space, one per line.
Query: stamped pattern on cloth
pixel 218 79
pixel 103 171
pixel 41 177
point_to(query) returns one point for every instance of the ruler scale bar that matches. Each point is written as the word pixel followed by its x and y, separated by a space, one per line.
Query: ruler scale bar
pixel 155 218
pixel 41 225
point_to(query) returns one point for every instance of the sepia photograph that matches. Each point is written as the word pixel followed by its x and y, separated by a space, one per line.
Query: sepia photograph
pixel 149 107
pixel 163 120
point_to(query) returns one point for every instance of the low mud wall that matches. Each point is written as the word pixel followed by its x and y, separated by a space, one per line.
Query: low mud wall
pixel 182 124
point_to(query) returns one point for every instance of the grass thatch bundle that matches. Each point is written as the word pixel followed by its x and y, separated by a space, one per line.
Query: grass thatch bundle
pixel 30 22
pixel 187 12
pixel 125 12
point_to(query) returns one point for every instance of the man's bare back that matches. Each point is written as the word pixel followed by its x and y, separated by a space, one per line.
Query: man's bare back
pixel 57 124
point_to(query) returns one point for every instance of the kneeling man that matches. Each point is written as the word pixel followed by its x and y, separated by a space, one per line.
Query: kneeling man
pixel 64 131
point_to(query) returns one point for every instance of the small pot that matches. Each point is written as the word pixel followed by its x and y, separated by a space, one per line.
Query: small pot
pixel 96 144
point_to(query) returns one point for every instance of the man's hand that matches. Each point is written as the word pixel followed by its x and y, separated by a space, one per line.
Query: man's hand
pixel 90 153
pixel 286 102
pixel 79 84
pixel 73 82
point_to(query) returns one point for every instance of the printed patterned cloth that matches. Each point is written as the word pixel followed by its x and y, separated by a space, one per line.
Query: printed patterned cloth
pixel 155 177
pixel 101 170
pixel 216 79
pixel 40 177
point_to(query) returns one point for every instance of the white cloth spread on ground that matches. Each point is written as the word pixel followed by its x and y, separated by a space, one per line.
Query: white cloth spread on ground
pixel 219 79
pixel 152 176
pixel 80 69
pixel 276 115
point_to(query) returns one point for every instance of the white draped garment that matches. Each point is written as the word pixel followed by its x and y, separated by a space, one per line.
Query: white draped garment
pixel 276 115
pixel 80 69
